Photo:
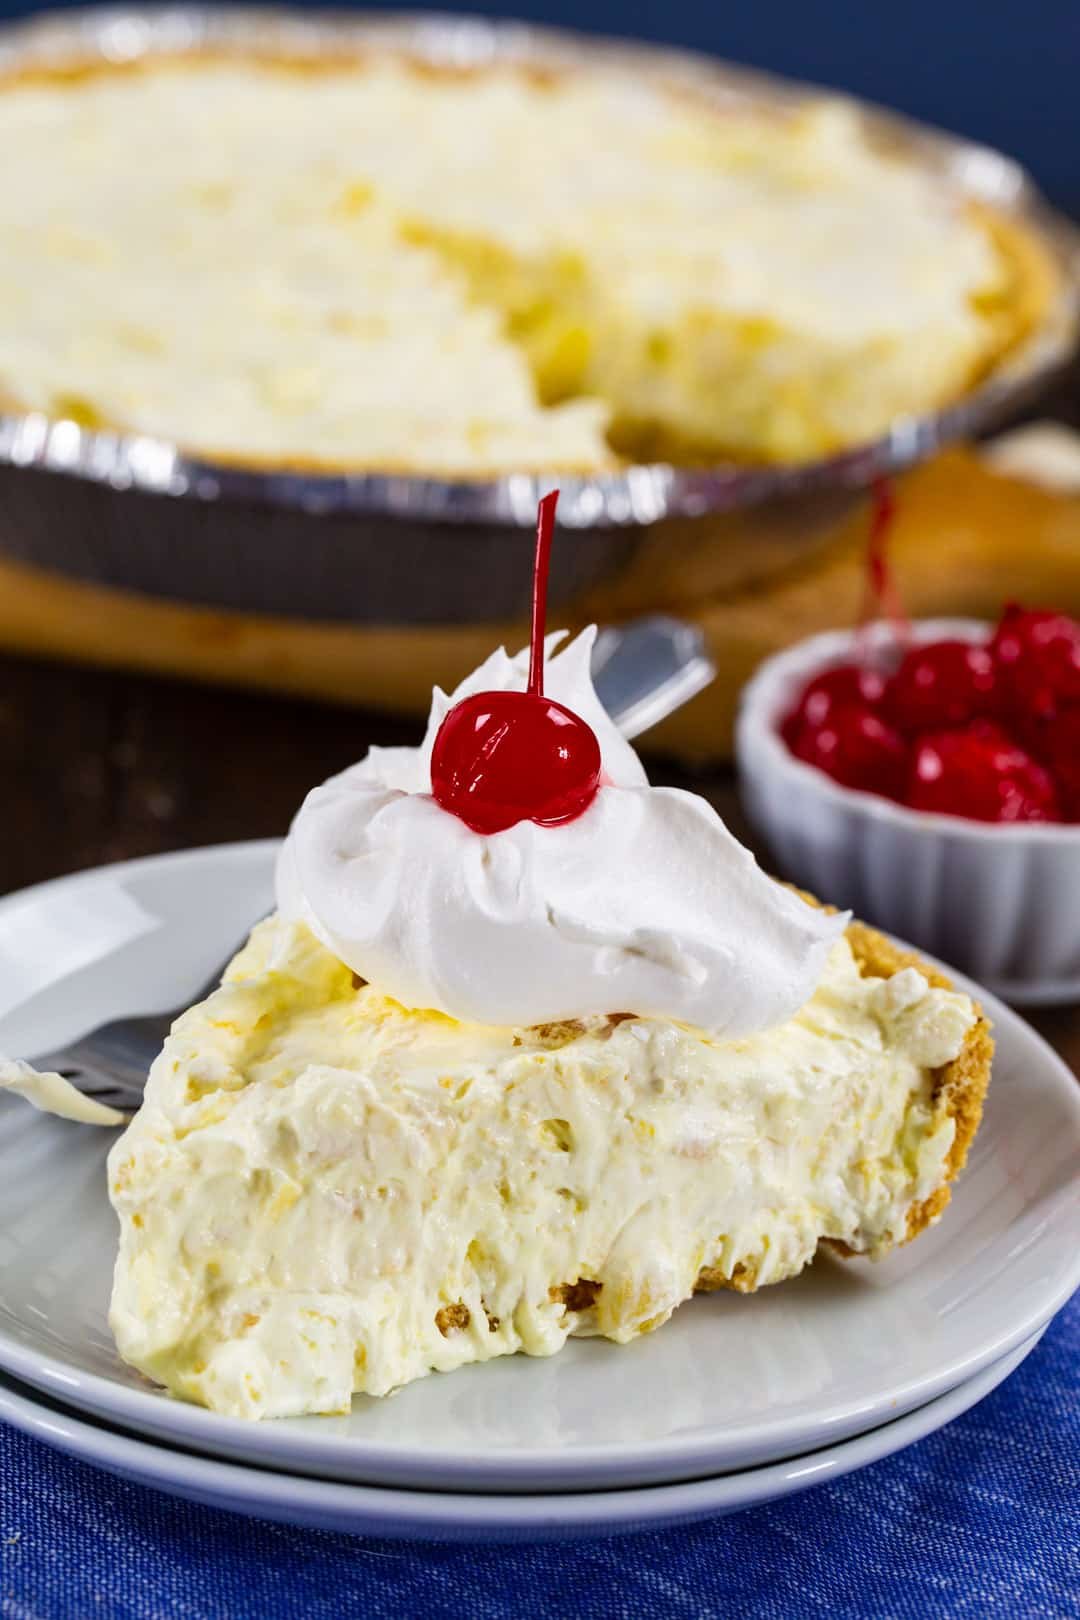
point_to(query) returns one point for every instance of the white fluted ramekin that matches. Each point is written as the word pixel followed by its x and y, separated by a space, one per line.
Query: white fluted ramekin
pixel 1002 903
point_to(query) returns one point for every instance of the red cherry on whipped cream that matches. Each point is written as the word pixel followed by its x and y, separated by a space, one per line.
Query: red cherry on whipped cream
pixel 979 772
pixel 504 757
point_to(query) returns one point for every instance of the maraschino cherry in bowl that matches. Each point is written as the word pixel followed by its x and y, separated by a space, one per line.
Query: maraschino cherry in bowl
pixel 928 777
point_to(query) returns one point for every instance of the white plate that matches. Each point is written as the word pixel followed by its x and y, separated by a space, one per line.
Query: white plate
pixel 445 1516
pixel 730 1383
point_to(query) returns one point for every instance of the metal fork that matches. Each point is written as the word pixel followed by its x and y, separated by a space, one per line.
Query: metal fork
pixel 110 1063
pixel 643 671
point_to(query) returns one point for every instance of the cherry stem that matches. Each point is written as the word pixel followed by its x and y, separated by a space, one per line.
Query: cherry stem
pixel 881 597
pixel 545 525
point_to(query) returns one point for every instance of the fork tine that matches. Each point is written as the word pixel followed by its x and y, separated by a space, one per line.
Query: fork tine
pixel 117 1095
pixel 100 1087
pixel 110 1063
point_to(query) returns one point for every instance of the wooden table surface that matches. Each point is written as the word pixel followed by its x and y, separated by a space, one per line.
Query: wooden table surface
pixel 99 766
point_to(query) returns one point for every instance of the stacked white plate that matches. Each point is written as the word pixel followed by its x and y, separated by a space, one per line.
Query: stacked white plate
pixel 735 1402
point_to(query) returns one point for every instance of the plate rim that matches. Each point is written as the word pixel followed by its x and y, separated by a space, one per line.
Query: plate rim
pixel 498 1516
pixel 269 1445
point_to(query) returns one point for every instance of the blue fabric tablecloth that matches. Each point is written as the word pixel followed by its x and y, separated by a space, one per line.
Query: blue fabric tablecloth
pixel 981 1519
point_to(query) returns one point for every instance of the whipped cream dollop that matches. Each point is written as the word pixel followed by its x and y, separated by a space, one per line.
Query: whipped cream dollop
pixel 644 904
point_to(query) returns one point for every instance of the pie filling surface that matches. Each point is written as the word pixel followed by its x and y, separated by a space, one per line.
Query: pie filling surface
pixel 379 266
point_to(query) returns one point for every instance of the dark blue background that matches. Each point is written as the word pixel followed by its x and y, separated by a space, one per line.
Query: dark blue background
pixel 1005 71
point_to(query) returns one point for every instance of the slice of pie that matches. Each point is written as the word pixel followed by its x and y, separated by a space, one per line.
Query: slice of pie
pixel 326 1193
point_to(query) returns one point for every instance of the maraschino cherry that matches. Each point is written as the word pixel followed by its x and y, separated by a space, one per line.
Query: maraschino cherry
pixel 1054 740
pixel 943 684
pixel 853 686
pixel 979 772
pixel 856 747
pixel 1038 659
pixel 833 689
pixel 504 757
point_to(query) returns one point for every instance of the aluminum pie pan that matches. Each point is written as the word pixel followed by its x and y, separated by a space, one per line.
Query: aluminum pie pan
pixel 136 514
pixel 642 494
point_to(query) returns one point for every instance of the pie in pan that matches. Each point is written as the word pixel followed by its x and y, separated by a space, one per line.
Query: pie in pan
pixel 367 263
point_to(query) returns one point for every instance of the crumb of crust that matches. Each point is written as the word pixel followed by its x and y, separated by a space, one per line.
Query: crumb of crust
pixel 559 1033
pixel 959 1092
pixel 576 1296
pixel 743 1279
pixel 452 1319
pixel 550 1037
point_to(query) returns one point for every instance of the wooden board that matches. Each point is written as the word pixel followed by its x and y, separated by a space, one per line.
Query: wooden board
pixel 966 538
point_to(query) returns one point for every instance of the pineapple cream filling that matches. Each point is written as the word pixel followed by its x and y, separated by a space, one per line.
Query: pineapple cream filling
pixel 325 1192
